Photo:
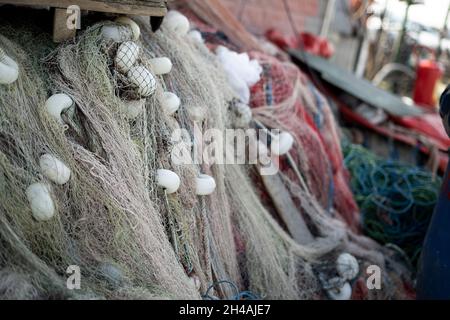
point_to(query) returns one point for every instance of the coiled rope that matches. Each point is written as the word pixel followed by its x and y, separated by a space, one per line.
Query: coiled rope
pixel 396 200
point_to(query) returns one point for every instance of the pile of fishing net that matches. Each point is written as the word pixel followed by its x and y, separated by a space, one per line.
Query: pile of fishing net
pixel 130 238
pixel 312 210
pixel 107 219
pixel 285 97
pixel 396 200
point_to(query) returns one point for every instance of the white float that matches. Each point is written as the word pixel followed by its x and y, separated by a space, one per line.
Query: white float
pixel 54 169
pixel 134 108
pixel 176 22
pixel 140 77
pixel 344 293
pixel 133 26
pixel 161 65
pixel 196 36
pixel 347 266
pixel 282 143
pixel 127 55
pixel 168 180
pixel 41 203
pixel 205 185
pixel 117 33
pixel 56 104
pixel 170 102
pixel 9 70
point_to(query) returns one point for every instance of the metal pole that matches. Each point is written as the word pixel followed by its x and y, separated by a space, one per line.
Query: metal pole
pixel 381 36
pixel 363 47
pixel 402 33
pixel 442 36
pixel 328 17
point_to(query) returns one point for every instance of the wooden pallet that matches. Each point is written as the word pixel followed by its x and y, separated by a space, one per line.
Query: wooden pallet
pixel 151 8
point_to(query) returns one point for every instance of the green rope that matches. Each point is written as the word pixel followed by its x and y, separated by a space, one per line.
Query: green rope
pixel 396 200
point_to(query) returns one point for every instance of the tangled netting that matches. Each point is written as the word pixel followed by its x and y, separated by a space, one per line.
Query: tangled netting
pixel 203 92
pixel 396 200
pixel 269 264
pixel 284 98
pixel 129 238
pixel 106 222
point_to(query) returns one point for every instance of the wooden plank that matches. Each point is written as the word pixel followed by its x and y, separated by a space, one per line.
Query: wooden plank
pixel 60 30
pixel 286 209
pixel 357 87
pixel 154 8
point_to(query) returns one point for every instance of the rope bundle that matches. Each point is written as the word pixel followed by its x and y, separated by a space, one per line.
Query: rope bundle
pixel 396 200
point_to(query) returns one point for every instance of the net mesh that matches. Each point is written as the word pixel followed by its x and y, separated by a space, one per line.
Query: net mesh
pixel 105 214
pixel 285 99
pixel 130 238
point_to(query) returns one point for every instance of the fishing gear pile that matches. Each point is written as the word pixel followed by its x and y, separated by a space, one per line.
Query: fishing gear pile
pixel 97 174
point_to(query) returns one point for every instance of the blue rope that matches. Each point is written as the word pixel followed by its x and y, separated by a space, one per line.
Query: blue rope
pixel 330 190
pixel 396 200
pixel 268 88
pixel 239 295
pixel 318 117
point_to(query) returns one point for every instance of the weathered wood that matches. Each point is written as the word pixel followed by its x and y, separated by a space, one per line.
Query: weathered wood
pixel 60 30
pixel 286 209
pixel 131 7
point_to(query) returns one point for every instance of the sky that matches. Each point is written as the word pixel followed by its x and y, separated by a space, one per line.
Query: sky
pixel 431 13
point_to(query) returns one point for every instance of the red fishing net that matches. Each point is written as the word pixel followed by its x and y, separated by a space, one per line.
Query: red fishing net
pixel 285 97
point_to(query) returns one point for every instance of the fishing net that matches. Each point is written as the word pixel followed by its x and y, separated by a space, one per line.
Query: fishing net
pixel 24 273
pixel 131 239
pixel 216 14
pixel 200 83
pixel 285 99
pixel 104 214
pixel 271 264
pixel 203 91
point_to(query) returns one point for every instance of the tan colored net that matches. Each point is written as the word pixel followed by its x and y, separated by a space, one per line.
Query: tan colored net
pixel 105 214
pixel 131 239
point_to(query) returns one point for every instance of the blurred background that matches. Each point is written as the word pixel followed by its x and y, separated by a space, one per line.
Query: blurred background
pixel 366 35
